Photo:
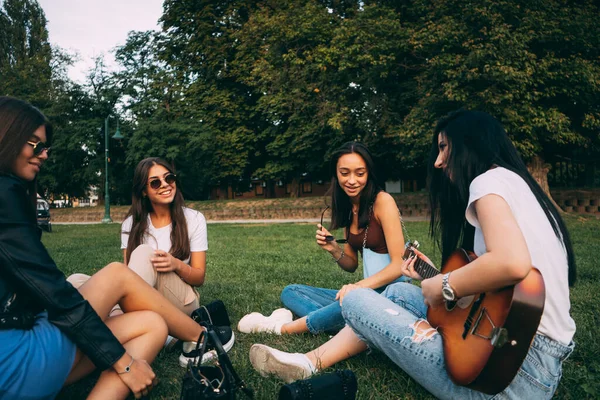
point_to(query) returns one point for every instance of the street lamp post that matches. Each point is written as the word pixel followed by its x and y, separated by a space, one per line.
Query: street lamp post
pixel 117 136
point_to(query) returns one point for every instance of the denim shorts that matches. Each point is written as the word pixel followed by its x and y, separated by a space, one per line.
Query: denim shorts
pixel 35 363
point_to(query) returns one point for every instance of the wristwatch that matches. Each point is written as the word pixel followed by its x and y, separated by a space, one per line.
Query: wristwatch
pixel 447 291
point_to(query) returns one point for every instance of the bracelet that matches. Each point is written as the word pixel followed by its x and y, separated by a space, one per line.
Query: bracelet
pixel 340 257
pixel 127 368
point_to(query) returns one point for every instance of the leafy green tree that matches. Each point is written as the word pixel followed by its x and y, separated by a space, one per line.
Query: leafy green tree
pixel 25 53
pixel 200 46
pixel 533 64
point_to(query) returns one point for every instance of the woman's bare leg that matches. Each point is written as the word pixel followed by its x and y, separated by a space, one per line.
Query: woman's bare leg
pixel 116 283
pixel 341 347
pixel 295 327
pixel 142 334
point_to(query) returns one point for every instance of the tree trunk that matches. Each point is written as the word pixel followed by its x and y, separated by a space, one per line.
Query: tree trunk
pixel 539 170
pixel 295 188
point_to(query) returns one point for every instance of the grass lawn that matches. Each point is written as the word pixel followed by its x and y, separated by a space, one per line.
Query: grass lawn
pixel 248 265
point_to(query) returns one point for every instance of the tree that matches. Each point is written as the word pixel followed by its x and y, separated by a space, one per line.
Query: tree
pixel 531 64
pixel 25 53
pixel 199 46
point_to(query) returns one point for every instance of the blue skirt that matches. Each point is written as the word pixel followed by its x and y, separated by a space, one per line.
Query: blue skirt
pixel 34 363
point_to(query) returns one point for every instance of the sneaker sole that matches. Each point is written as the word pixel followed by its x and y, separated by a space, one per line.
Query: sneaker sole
pixel 209 355
pixel 267 364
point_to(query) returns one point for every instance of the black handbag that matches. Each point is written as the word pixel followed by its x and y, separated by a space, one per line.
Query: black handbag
pixel 340 384
pixel 218 381
pixel 213 313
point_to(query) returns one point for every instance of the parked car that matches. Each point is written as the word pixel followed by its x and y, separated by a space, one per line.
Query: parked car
pixel 43 215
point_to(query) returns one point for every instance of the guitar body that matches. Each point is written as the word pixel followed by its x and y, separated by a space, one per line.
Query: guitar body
pixel 486 341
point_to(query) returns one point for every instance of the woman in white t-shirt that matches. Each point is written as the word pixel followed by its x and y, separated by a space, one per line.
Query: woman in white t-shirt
pixel 482 199
pixel 173 236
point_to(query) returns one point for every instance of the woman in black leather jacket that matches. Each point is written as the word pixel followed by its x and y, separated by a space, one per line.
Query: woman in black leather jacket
pixel 50 333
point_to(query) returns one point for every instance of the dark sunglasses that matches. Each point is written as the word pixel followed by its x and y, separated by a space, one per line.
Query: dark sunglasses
pixel 39 147
pixel 330 238
pixel 169 180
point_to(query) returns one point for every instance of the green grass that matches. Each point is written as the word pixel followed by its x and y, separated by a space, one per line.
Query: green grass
pixel 248 265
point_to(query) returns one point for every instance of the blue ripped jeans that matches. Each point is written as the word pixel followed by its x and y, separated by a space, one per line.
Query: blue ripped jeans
pixel 322 311
pixel 388 322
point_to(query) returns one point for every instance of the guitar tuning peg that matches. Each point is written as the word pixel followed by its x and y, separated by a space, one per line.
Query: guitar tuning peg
pixel 415 244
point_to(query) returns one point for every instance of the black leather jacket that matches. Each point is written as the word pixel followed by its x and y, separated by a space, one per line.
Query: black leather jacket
pixel 30 282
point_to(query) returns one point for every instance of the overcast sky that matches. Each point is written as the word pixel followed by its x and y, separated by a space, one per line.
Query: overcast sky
pixel 94 27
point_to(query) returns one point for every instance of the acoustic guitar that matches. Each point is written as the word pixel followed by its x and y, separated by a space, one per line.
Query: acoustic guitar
pixel 485 336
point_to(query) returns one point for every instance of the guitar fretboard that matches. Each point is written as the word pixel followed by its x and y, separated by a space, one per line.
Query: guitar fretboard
pixel 425 269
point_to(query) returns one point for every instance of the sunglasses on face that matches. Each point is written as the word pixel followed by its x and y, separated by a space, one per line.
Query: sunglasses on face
pixel 39 147
pixel 330 238
pixel 169 179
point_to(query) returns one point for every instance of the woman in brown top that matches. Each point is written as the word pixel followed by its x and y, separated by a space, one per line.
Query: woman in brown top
pixel 371 222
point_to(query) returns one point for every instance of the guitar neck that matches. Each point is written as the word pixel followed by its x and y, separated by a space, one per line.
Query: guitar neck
pixel 425 269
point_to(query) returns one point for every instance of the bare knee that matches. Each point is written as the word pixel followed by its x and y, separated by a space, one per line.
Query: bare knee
pixel 116 269
pixel 117 272
pixel 154 324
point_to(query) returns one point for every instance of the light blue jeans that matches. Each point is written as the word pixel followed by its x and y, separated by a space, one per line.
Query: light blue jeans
pixel 318 305
pixel 385 321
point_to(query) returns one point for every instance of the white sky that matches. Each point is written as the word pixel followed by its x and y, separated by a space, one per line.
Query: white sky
pixel 94 27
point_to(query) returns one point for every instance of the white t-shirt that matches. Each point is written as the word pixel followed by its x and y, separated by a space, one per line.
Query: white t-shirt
pixel 547 252
pixel 160 238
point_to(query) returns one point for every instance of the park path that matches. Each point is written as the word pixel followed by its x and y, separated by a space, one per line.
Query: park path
pixel 247 221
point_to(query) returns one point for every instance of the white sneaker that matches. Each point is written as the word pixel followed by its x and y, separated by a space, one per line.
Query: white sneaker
pixel 189 353
pixel 288 366
pixel 256 322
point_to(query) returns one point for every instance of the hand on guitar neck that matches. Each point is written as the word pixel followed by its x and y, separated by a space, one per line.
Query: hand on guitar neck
pixel 413 263
pixel 418 266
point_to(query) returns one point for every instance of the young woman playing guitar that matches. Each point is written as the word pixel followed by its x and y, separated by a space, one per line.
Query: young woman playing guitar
pixel 483 199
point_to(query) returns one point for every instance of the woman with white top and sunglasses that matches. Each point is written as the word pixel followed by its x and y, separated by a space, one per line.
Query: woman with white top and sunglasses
pixel 176 235
pixel 165 243
pixel 171 236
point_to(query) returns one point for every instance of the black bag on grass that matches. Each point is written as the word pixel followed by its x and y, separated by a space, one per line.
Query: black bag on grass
pixel 213 313
pixel 218 381
pixel 340 384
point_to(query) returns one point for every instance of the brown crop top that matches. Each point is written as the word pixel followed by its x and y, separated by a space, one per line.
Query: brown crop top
pixel 375 238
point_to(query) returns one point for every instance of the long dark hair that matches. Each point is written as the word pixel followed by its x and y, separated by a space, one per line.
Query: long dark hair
pixel 341 208
pixel 477 142
pixel 141 207
pixel 18 121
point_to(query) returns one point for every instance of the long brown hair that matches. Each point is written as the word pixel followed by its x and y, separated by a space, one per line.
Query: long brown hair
pixel 141 207
pixel 18 121
pixel 341 208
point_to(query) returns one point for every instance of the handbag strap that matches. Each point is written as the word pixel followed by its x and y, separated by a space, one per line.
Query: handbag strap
pixel 367 229
pixel 406 237
pixel 224 359
pixel 200 342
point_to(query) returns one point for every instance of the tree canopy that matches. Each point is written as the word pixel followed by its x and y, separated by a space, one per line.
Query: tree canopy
pixel 232 90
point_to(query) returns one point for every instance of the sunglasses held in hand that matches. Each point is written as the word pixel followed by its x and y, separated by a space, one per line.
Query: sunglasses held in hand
pixel 169 179
pixel 331 238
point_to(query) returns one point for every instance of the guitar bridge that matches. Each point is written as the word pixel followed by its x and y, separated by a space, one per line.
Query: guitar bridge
pixel 498 336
